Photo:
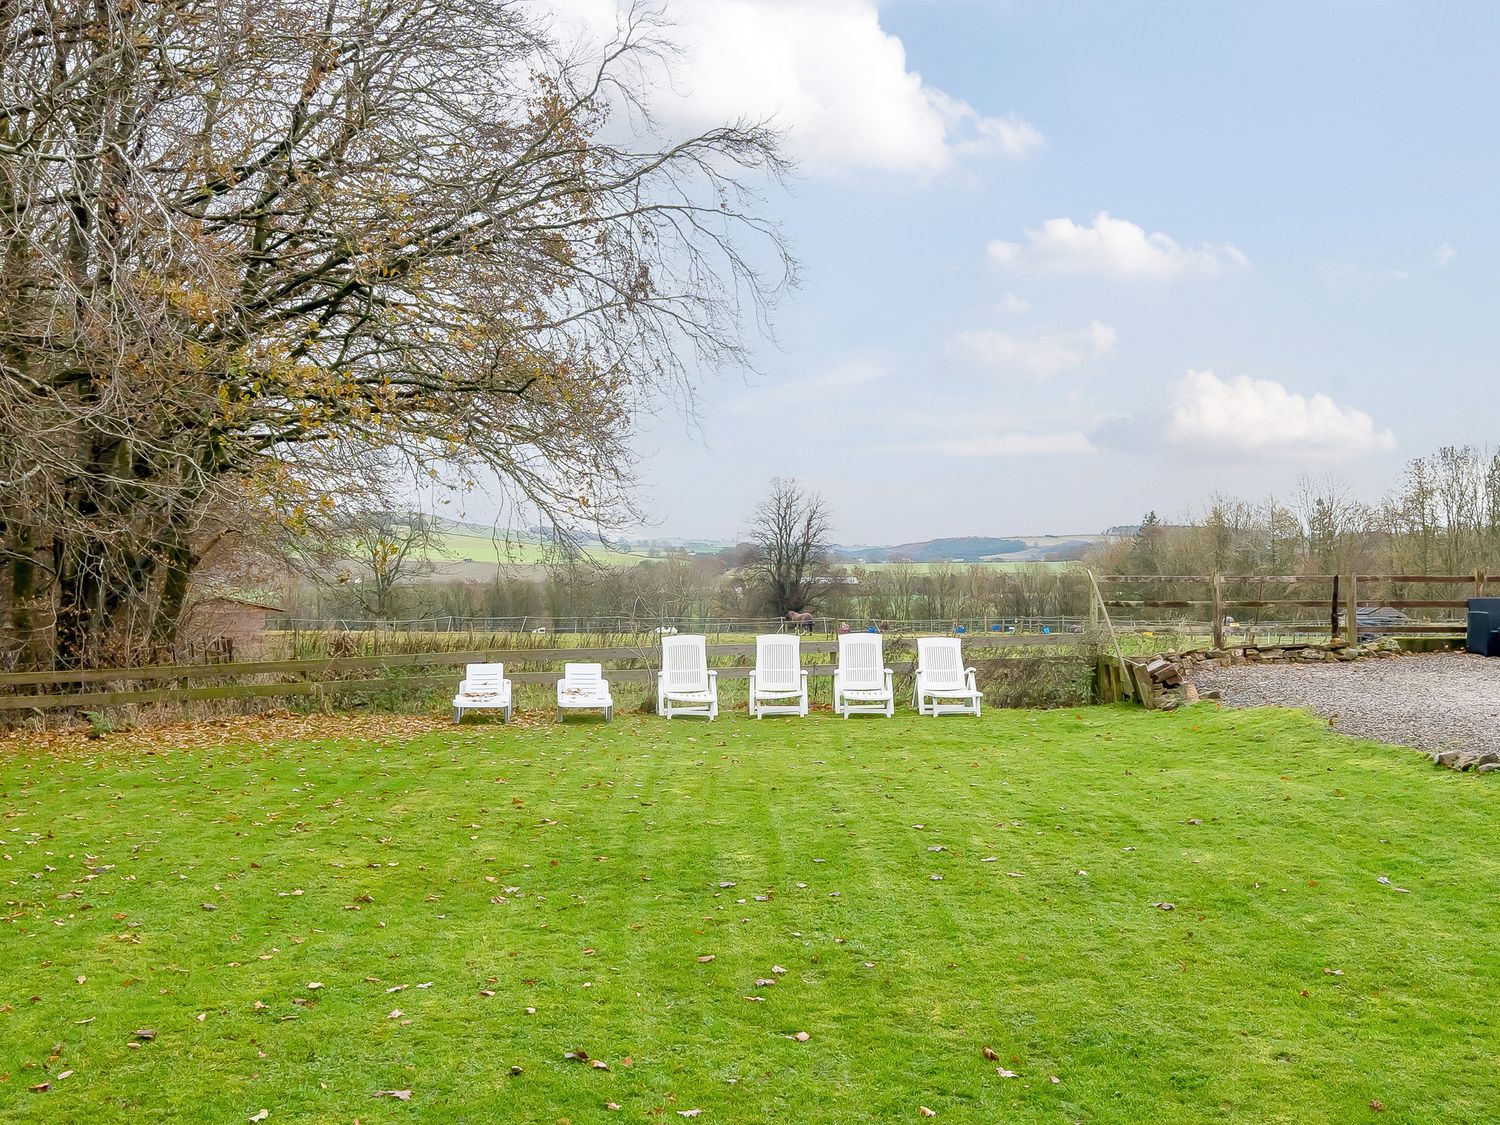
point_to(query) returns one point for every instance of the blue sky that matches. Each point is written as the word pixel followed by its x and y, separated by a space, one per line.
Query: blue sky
pixel 1066 261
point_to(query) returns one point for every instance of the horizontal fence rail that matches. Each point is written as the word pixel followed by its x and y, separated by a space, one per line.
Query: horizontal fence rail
pixel 319 677
pixel 1342 604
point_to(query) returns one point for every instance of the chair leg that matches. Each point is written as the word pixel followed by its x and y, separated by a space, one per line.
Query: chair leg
pixel 458 714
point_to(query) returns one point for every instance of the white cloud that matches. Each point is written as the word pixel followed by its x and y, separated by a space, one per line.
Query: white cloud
pixel 1443 254
pixel 834 384
pixel 1113 247
pixel 1010 303
pixel 1041 355
pixel 1245 417
pixel 1007 445
pixel 824 70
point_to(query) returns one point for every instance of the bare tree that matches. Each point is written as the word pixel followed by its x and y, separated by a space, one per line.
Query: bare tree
pixel 254 249
pixel 383 553
pixel 790 536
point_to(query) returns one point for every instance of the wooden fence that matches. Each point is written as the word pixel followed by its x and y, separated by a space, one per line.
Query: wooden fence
pixel 98 688
pixel 1342 602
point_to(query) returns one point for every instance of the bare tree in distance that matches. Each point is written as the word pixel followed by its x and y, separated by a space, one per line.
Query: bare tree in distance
pixel 383 553
pixel 255 249
pixel 789 533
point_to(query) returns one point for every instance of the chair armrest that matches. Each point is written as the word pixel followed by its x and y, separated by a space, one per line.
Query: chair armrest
pixel 463 687
pixel 713 677
pixel 804 678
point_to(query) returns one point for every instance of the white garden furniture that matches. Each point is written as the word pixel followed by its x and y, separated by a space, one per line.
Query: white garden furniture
pixel 778 683
pixel 862 683
pixel 583 687
pixel 484 686
pixel 944 686
pixel 685 685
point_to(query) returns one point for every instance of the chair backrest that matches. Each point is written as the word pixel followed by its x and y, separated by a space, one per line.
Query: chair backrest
pixel 862 661
pixel 778 663
pixel 941 661
pixel 587 678
pixel 483 677
pixel 684 659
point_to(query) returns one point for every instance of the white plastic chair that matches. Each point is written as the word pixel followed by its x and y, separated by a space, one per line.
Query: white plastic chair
pixel 944 686
pixel 583 687
pixel 778 675
pixel 862 685
pixel 484 686
pixel 685 685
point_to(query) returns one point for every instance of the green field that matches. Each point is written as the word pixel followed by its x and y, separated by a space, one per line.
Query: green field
pixel 305 917
pixel 457 545
pixel 473 546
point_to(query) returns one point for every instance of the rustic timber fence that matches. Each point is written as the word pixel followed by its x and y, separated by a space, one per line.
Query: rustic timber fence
pixel 1119 676
pixel 101 688
pixel 1342 602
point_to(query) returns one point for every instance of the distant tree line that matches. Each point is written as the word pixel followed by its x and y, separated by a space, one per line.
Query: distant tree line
pixel 1441 517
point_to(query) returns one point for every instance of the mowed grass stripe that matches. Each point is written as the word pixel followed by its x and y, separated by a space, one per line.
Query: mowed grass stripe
pixel 1143 1014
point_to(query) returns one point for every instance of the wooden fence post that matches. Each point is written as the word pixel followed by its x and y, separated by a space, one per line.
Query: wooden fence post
pixel 1351 615
pixel 1333 614
pixel 1218 610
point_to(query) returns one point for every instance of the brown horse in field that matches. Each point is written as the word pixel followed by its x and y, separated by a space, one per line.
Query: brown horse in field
pixel 801 621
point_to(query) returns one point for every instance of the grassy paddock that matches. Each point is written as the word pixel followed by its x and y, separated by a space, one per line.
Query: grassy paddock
pixel 476 899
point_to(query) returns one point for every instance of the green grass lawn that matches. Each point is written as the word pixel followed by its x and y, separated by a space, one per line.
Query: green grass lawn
pixel 424 910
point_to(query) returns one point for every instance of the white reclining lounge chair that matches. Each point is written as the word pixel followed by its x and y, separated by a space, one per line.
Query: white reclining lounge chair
pixel 778 684
pixel 944 686
pixel 483 686
pixel 583 687
pixel 862 683
pixel 685 685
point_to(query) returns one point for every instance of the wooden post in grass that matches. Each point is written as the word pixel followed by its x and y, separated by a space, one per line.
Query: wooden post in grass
pixel 1333 613
pixel 1351 614
pixel 1218 607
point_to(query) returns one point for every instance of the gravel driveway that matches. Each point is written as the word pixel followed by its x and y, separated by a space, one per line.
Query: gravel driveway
pixel 1440 701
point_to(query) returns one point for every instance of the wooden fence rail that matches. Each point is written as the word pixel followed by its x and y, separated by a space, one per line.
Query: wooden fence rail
pixel 1343 603
pixel 319 678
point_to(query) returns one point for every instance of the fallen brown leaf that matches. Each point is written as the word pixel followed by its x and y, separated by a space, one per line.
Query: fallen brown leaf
pixel 989 1053
pixel 925 1112
pixel 399 1095
pixel 802 1037
pixel 261 1116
